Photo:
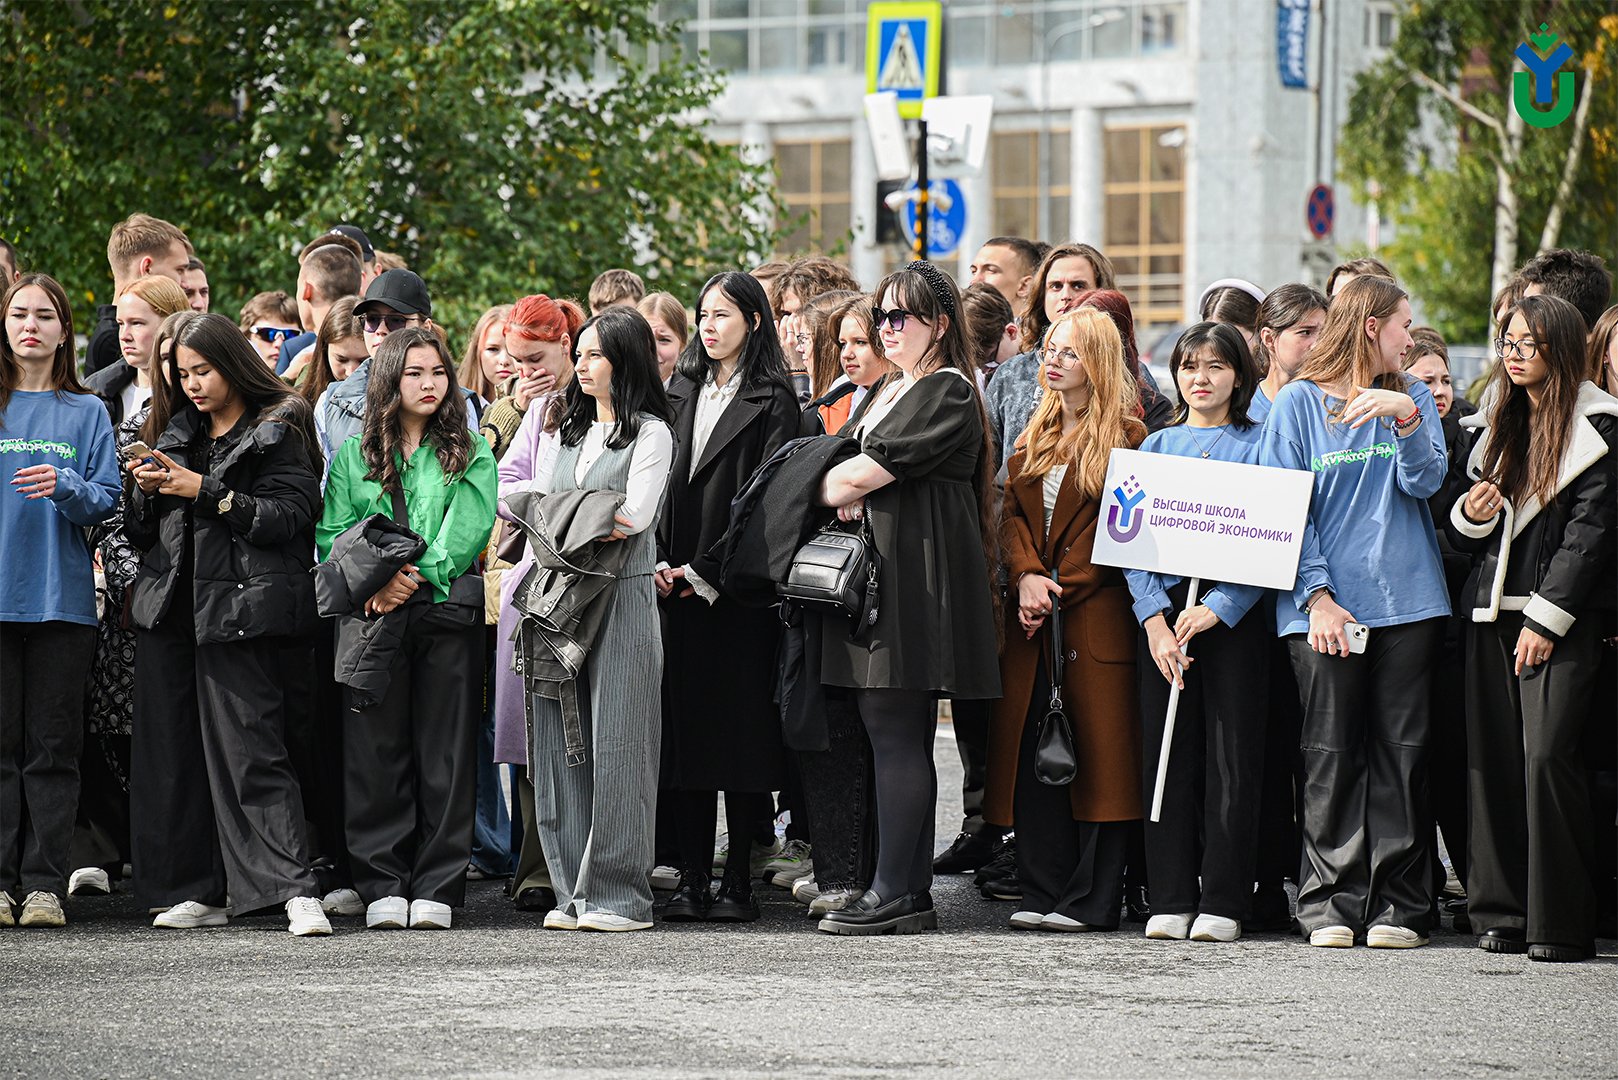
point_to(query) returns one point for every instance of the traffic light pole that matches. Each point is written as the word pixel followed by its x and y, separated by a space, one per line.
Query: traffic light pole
pixel 921 192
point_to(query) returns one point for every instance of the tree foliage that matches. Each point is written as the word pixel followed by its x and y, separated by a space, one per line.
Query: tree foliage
pixel 501 147
pixel 1433 165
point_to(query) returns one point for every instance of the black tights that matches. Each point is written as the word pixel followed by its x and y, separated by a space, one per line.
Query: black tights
pixel 901 725
pixel 748 814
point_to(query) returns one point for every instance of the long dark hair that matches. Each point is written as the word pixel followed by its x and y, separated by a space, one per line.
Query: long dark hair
pixel 384 432
pixel 220 342
pixel 760 361
pixel 626 338
pixel 1527 442
pixel 1227 342
pixel 64 368
pixel 338 325
pixel 1283 308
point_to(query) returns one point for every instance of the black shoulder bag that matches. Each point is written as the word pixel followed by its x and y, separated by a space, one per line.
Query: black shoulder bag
pixel 837 571
pixel 1055 761
pixel 464 605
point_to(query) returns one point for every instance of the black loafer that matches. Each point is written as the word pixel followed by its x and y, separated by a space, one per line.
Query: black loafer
pixel 1557 954
pixel 734 902
pixel 691 901
pixel 1503 939
pixel 535 898
pixel 969 852
pixel 870 915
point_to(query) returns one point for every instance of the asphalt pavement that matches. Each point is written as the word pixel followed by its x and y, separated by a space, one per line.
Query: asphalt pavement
pixel 498 996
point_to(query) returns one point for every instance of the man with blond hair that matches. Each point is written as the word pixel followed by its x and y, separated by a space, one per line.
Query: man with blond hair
pixel 140 245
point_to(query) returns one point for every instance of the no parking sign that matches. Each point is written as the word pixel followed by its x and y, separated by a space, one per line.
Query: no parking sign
pixel 1319 211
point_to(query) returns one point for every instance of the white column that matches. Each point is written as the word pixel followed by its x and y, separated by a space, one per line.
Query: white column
pixel 979 194
pixel 866 261
pixel 758 147
pixel 1086 168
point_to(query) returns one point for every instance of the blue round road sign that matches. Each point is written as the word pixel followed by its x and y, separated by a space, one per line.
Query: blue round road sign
pixel 946 217
pixel 1320 210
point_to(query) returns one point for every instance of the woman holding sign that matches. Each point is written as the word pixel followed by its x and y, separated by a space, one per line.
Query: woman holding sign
pixel 1072 838
pixel 1209 822
pixel 1539 522
pixel 1362 638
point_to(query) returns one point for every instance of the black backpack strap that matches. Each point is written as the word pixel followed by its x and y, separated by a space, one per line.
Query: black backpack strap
pixel 401 515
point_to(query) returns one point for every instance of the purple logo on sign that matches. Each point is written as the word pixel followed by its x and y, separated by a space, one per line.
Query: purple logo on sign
pixel 1124 517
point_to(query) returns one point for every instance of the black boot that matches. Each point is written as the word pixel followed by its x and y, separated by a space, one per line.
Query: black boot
pixel 735 901
pixel 969 852
pixel 691 901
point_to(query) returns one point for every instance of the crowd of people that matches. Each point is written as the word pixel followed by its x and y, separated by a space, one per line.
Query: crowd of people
pixel 299 612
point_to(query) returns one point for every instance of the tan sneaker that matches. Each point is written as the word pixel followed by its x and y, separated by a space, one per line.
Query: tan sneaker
pixel 42 909
pixel 7 916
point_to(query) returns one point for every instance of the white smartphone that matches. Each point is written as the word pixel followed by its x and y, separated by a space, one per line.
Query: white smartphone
pixel 1358 635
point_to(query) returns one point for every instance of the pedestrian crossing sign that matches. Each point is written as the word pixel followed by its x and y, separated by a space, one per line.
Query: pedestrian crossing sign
pixel 903 51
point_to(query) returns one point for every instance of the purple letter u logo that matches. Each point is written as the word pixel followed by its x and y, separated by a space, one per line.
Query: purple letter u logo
pixel 1124 517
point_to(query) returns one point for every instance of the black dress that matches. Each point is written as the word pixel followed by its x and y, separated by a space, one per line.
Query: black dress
pixel 935 627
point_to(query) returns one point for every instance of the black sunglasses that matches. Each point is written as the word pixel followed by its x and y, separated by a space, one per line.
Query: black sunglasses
pixel 394 323
pixel 894 317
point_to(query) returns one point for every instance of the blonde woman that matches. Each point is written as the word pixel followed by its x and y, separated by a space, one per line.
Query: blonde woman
pixel 126 388
pixel 1072 838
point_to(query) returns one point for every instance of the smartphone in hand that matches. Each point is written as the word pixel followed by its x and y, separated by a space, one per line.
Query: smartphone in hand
pixel 1358 636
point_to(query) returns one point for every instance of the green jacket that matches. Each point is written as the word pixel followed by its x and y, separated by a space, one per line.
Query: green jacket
pixel 454 516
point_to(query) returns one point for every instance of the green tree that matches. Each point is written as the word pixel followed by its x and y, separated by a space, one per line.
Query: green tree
pixel 500 146
pixel 1433 135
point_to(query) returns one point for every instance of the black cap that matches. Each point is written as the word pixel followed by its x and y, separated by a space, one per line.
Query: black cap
pixel 357 234
pixel 400 290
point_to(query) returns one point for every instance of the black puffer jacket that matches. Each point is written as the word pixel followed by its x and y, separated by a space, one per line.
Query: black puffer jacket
pixel 109 385
pixel 251 564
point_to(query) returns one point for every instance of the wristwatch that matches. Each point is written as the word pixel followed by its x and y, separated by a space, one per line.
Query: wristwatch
pixel 227 502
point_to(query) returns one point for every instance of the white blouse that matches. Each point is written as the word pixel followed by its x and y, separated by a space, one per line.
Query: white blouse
pixel 712 400
pixel 1052 487
pixel 649 464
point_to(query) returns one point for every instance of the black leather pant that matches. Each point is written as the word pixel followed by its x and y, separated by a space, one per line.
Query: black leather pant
pixel 1367 833
pixel 839 798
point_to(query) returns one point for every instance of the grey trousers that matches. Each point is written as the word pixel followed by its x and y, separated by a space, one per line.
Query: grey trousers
pixel 597 820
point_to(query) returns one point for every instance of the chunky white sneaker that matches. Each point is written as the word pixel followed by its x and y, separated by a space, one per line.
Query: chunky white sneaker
pixel 792 863
pixel 1168 927
pixel 1394 937
pixel 342 902
pixel 89 881
pixel 1215 928
pixel 42 909
pixel 429 915
pixel 559 919
pixel 8 917
pixel 607 922
pixel 806 889
pixel 1026 920
pixel 189 916
pixel 666 878
pixel 1062 924
pixel 833 900
pixel 305 919
pixel 388 913
pixel 1332 937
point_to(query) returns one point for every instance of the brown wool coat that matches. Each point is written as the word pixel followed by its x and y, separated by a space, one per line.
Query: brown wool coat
pixel 1099 636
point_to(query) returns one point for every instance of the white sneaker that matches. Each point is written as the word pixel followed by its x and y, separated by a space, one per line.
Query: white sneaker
pixel 1215 928
pixel 559 919
pixel 388 913
pixel 42 909
pixel 833 900
pixel 806 889
pixel 305 919
pixel 8 917
pixel 429 915
pixel 666 878
pixel 1332 937
pixel 792 863
pixel 342 902
pixel 1168 927
pixel 607 922
pixel 1394 937
pixel 1026 920
pixel 1062 924
pixel 190 915
pixel 88 881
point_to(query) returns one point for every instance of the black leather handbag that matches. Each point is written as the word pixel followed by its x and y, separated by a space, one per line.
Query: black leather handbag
pixel 837 571
pixel 1055 760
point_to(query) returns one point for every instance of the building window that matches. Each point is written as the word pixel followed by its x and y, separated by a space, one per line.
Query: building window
pixel 812 179
pixel 979 32
pixel 1019 185
pixel 1144 229
pixel 772 37
pixel 1381 25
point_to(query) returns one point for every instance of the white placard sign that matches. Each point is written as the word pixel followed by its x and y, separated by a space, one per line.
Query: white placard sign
pixel 1195 518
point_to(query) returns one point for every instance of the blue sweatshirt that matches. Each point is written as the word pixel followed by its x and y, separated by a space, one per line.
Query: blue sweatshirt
pixel 46 575
pixel 1258 410
pixel 1227 443
pixel 1369 538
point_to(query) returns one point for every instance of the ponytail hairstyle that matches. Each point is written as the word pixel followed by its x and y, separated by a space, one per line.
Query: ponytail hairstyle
pixel 625 337
pixel 1283 308
pixel 1526 443
pixel 446 432
pixel 221 342
pixel 1034 321
pixel 471 373
pixel 1109 420
pixel 815 318
pixel 64 365
pixel 539 318
pixel 760 361
pixel 1344 351
pixel 1228 344
pixel 1234 305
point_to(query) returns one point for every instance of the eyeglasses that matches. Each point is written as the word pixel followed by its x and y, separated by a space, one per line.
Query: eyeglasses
pixel 800 339
pixel 1527 348
pixel 274 334
pixel 894 318
pixel 374 322
pixel 1063 357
